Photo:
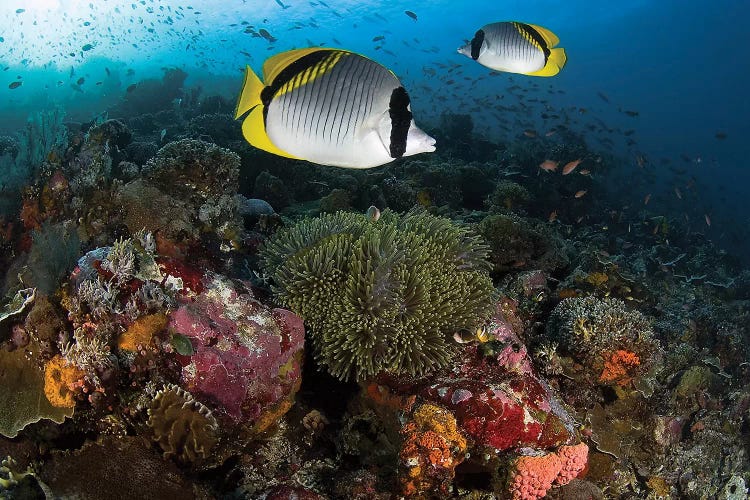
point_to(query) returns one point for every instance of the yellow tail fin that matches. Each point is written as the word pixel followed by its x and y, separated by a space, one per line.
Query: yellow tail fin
pixel 250 93
pixel 555 63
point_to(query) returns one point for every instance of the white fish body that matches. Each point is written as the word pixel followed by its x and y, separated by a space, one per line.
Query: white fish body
pixel 333 107
pixel 516 48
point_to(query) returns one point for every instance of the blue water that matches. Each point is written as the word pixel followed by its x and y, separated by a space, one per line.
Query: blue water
pixel 682 66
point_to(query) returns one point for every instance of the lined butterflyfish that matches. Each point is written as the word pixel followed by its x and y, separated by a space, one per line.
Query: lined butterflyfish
pixel 331 107
pixel 516 48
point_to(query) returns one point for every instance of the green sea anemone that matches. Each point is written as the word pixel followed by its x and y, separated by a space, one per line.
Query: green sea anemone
pixel 381 295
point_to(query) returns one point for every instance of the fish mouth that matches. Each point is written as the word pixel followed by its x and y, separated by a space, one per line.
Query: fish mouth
pixel 429 144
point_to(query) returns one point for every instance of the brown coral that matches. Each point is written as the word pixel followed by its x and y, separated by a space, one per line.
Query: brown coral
pixel 59 377
pixel 183 427
pixel 141 331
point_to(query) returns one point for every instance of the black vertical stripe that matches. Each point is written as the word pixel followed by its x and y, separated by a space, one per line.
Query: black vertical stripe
pixel 537 37
pixel 352 67
pixel 351 97
pixel 295 101
pixel 307 92
pixel 365 85
pixel 476 44
pixel 324 89
pixel 398 109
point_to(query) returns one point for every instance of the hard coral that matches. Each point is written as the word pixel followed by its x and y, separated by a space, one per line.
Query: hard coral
pixel 613 343
pixel 519 243
pixel 22 392
pixel 59 380
pixel 194 176
pixel 183 427
pixel 381 295
pixel 432 449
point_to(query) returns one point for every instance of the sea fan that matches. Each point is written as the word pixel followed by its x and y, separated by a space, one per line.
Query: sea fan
pixel 54 251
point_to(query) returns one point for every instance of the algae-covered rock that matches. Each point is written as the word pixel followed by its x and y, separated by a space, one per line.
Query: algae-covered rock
pixel 22 399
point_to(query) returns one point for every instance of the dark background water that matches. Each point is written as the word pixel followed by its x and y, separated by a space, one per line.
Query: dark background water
pixel 682 66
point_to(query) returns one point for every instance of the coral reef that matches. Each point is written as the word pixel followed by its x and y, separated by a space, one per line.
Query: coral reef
pixel 149 475
pixel 531 476
pixel 518 243
pixel 495 399
pixel 613 344
pixel 380 295
pixel 507 195
pixel 613 364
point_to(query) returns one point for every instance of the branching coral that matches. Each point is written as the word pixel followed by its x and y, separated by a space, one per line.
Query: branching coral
pixel 183 427
pixel 381 295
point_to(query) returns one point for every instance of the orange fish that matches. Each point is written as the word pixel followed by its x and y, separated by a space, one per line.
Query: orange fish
pixel 708 220
pixel 645 200
pixel 568 168
pixel 529 133
pixel 677 192
pixel 550 133
pixel 585 171
pixel 640 160
pixel 552 216
pixel 580 193
pixel 548 165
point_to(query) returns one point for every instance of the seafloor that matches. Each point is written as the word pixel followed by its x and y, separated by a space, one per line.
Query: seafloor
pixel 184 316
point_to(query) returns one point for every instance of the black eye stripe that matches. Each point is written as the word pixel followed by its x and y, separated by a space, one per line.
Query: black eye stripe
pixel 398 109
pixel 476 44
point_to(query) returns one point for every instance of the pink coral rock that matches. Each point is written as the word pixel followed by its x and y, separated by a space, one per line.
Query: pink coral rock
pixel 532 476
pixel 574 459
pixel 247 358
